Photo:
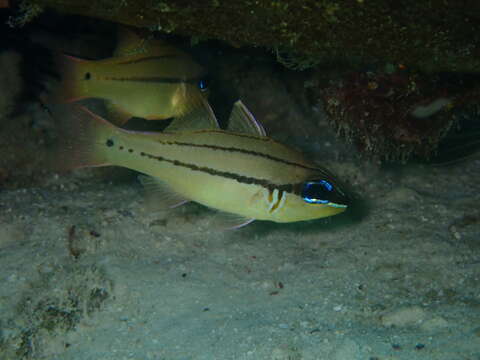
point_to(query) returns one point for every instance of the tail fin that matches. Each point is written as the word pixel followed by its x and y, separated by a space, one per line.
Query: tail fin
pixel 69 88
pixel 83 138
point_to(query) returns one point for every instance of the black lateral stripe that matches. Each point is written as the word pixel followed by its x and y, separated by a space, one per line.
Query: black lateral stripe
pixel 320 170
pixel 147 58
pixel 243 151
pixel 152 79
pixel 291 188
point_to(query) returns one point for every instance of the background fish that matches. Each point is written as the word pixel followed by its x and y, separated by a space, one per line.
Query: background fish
pixel 242 173
pixel 144 78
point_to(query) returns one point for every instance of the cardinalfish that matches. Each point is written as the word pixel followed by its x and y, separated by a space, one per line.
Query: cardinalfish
pixel 144 78
pixel 238 171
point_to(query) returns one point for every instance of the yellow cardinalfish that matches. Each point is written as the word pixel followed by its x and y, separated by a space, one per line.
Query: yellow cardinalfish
pixel 147 79
pixel 238 171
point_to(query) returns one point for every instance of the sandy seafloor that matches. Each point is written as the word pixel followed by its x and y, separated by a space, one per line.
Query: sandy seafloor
pixel 395 278
pixel 400 282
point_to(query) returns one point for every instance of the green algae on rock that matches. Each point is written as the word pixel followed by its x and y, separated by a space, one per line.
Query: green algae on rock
pixel 431 36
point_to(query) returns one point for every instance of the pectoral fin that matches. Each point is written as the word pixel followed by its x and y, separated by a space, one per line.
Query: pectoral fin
pixel 222 221
pixel 242 120
pixel 159 196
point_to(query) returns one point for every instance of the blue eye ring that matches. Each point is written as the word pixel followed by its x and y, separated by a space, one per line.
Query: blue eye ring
pixel 316 192
pixel 328 185
pixel 202 85
pixel 315 201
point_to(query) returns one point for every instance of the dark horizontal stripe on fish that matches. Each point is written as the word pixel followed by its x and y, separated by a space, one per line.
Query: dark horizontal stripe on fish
pixel 240 178
pixel 152 79
pixel 243 151
pixel 148 58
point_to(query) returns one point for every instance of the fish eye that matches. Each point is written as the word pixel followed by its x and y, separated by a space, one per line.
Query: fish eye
pixel 203 84
pixel 317 192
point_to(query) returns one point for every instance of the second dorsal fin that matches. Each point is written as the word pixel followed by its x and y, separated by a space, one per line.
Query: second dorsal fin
pixel 130 43
pixel 242 120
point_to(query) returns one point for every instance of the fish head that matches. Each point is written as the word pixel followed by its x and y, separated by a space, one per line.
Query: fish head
pixel 315 198
pixel 190 74
pixel 190 95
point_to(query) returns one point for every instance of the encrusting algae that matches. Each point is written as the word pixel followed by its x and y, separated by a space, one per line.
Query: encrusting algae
pixel 431 35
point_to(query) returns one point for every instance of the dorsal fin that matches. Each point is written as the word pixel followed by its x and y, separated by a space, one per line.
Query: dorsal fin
pixel 242 120
pixel 199 115
pixel 129 43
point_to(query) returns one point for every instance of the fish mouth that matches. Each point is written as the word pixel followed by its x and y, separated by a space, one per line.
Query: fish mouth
pixel 339 200
pixel 338 206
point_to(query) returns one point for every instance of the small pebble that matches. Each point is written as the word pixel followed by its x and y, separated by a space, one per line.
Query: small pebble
pixel 404 317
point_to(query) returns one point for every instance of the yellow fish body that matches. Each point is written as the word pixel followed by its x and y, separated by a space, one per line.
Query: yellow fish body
pixel 246 174
pixel 152 80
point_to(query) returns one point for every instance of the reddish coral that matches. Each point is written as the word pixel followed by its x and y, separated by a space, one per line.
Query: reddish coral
pixel 394 115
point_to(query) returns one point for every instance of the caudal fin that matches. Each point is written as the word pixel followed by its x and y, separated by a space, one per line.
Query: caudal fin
pixel 83 138
pixel 69 87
